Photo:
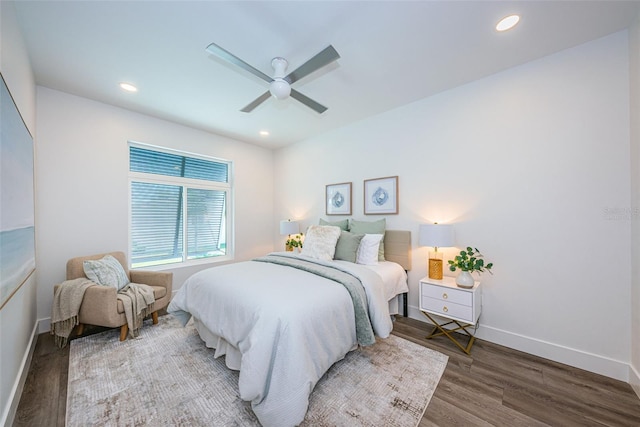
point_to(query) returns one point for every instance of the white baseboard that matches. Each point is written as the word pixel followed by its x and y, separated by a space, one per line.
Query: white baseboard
pixel 580 359
pixel 634 379
pixel 44 325
pixel 16 391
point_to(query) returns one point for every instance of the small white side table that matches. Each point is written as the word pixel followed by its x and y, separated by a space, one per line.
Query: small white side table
pixel 460 306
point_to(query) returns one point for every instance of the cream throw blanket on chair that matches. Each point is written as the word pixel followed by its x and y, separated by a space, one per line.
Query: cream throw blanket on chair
pixel 66 305
pixel 138 301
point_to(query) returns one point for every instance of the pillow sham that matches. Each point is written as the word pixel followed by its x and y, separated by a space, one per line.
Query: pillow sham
pixel 368 250
pixel 347 246
pixel 344 224
pixel 106 272
pixel 320 242
pixel 371 227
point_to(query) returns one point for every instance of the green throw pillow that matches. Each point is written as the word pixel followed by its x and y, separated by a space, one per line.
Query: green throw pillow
pixel 344 224
pixel 371 227
pixel 347 246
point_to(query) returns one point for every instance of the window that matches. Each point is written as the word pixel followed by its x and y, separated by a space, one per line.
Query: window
pixel 179 207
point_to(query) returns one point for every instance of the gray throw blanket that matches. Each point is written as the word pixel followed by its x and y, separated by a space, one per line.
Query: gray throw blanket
pixel 138 302
pixel 66 304
pixel 364 330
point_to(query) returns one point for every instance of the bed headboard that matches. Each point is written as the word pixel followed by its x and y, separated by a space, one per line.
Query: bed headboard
pixel 397 247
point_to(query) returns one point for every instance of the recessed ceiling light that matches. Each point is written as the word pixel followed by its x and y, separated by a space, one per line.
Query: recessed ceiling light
pixel 507 23
pixel 128 87
pixel 264 133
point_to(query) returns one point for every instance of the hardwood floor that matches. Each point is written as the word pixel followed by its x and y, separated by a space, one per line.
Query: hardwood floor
pixel 504 387
pixel 495 386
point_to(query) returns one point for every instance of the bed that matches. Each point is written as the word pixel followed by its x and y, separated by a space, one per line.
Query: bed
pixel 282 320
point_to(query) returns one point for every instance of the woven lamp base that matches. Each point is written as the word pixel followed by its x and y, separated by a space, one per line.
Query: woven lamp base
pixel 435 268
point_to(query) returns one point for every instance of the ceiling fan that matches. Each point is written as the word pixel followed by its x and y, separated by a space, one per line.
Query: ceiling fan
pixel 280 84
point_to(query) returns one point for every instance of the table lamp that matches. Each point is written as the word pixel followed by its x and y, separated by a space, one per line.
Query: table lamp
pixel 437 236
pixel 289 227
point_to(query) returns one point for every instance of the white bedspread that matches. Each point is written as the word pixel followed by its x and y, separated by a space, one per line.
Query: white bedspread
pixel 288 326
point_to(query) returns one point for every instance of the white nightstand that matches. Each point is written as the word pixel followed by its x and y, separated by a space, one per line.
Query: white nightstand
pixel 443 298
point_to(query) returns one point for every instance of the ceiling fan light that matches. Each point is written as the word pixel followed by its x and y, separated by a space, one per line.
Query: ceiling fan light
pixel 280 89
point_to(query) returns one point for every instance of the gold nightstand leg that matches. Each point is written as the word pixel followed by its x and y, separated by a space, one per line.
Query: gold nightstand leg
pixel 447 333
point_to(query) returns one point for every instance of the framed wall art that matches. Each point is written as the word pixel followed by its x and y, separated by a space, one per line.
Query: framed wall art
pixel 17 232
pixel 381 196
pixel 338 199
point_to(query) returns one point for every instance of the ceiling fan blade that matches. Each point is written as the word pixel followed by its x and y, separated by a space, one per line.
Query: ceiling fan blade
pixel 216 50
pixel 325 57
pixel 259 100
pixel 319 108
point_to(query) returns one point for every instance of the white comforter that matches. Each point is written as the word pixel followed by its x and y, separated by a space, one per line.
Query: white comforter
pixel 286 326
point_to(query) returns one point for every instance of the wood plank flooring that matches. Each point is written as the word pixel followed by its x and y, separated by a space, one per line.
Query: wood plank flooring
pixel 495 386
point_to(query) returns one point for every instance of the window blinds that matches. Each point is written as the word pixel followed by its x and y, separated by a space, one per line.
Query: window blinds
pixel 158 219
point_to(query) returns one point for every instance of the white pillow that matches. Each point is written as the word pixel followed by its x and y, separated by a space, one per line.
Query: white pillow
pixel 320 242
pixel 368 249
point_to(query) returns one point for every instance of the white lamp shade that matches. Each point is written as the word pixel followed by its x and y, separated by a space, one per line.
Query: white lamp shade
pixel 436 235
pixel 289 227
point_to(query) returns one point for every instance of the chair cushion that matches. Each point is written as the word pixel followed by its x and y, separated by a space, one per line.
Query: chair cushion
pixel 158 292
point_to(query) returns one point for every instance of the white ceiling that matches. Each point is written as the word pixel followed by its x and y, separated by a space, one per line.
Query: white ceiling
pixel 392 53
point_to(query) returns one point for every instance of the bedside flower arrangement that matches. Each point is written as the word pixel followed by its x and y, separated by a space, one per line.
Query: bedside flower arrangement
pixel 294 242
pixel 468 261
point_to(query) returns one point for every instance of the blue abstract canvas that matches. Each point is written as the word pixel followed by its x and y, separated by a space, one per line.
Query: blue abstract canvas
pixel 17 231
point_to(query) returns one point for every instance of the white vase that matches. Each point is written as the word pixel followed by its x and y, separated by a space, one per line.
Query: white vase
pixel 465 280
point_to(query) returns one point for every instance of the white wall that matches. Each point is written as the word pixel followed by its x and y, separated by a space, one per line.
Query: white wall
pixel 529 165
pixel 82 176
pixel 18 316
pixel 634 55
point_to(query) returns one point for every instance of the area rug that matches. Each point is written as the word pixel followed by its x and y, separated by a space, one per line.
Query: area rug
pixel 167 377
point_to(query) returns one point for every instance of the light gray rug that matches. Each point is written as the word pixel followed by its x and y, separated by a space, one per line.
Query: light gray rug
pixel 167 377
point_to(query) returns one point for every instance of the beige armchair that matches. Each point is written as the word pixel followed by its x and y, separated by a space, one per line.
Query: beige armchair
pixel 100 305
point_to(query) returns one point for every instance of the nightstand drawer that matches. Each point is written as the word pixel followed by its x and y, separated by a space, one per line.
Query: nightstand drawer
pixel 443 293
pixel 448 309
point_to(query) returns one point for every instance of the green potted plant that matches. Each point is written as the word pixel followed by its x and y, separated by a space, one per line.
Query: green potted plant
pixel 468 261
pixel 294 241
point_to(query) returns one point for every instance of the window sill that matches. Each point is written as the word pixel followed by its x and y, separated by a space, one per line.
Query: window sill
pixel 186 264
